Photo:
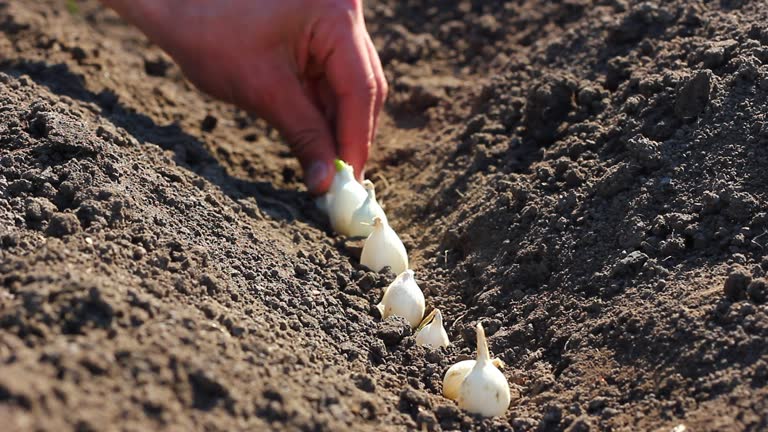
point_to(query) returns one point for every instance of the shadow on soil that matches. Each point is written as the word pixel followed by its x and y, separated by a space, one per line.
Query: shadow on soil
pixel 189 152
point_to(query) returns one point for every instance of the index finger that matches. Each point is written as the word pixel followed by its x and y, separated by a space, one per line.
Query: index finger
pixel 355 86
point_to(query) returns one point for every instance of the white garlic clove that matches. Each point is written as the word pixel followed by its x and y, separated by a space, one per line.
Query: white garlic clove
pixel 403 298
pixel 456 374
pixel 343 198
pixel 485 390
pixel 361 224
pixel 383 248
pixel 433 334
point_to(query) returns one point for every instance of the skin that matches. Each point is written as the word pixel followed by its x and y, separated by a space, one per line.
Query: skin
pixel 308 67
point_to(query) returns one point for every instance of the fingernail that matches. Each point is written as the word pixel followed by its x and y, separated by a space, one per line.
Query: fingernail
pixel 316 175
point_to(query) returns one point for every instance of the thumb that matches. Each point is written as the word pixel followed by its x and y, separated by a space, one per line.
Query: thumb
pixel 305 129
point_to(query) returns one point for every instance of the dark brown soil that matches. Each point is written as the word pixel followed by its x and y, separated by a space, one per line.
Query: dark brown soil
pixel 587 178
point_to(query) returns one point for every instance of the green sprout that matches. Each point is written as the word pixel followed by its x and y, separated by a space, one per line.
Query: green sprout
pixel 72 7
pixel 339 164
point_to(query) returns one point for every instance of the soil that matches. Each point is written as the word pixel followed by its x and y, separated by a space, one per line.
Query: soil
pixel 586 178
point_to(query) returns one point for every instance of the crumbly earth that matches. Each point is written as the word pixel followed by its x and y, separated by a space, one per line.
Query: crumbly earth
pixel 586 178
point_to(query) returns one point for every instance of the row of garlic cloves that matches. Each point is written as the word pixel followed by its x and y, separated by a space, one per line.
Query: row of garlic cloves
pixel 477 385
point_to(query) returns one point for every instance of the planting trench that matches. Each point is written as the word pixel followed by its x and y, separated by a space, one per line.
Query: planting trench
pixel 585 178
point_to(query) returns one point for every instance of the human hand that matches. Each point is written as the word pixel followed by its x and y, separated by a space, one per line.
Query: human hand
pixel 308 67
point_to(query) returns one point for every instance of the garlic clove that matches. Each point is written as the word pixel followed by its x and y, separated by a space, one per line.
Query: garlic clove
pixel 456 374
pixel 433 334
pixel 343 198
pixel 383 248
pixel 403 298
pixel 485 390
pixel 361 224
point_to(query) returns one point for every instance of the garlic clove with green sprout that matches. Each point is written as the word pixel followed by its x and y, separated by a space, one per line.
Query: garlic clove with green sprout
pixel 433 334
pixel 403 298
pixel 343 198
pixel 383 248
pixel 485 390
pixel 456 374
pixel 361 224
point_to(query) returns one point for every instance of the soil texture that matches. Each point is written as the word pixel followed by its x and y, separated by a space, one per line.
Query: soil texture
pixel 586 178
